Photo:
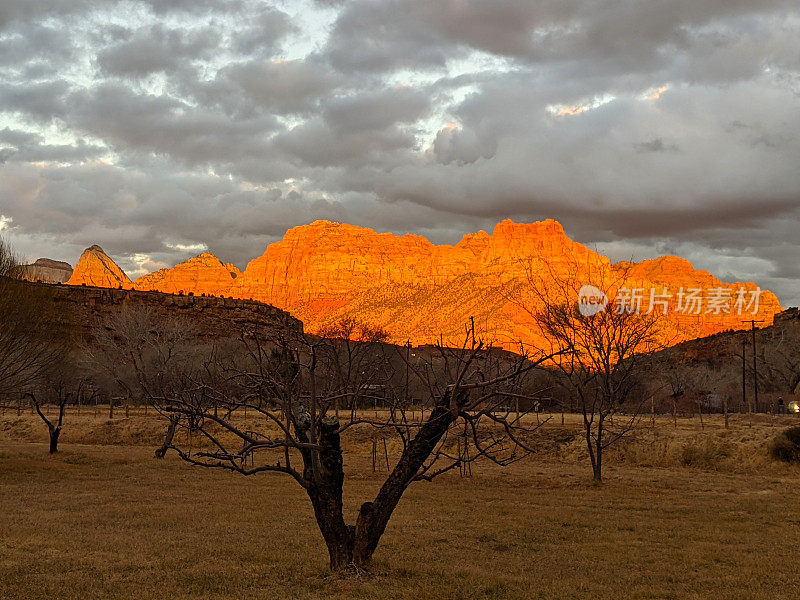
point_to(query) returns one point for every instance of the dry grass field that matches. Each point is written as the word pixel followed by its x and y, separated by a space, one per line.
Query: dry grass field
pixel 685 513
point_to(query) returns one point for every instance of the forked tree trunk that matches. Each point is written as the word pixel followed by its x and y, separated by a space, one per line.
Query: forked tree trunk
pixel 54 430
pixel 374 516
pixel 353 546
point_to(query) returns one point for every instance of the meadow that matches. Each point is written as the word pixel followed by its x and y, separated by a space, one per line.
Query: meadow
pixel 685 512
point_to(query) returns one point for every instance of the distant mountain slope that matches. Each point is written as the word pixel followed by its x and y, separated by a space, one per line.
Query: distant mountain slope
pixel 711 367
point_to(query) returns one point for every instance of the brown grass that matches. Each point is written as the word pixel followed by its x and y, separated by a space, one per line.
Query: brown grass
pixel 110 521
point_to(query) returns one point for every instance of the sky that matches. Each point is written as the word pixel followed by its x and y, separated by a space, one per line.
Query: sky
pixel 162 128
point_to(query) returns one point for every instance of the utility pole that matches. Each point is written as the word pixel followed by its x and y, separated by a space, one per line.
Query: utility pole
pixel 744 374
pixel 755 364
pixel 408 352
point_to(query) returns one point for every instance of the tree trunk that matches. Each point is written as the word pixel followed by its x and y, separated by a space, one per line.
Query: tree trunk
pixel 595 450
pixel 325 493
pixel 173 423
pixel 598 467
pixel 590 446
pixel 54 433
pixel 374 516
pixel 597 462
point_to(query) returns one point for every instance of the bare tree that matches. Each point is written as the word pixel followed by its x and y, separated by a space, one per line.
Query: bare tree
pixel 138 351
pixel 133 346
pixel 33 330
pixel 62 396
pixel 286 383
pixel 779 360
pixel 599 354
pixel 673 376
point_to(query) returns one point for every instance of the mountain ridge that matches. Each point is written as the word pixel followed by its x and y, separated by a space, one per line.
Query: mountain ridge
pixel 422 292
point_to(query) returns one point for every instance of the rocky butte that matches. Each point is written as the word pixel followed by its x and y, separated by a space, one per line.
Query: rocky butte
pixel 95 268
pixel 202 274
pixel 422 292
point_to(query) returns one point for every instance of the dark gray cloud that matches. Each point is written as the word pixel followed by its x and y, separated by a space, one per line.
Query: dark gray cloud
pixel 23 146
pixel 146 123
pixel 264 32
pixel 40 102
pixel 158 49
pixel 157 127
pixel 22 11
pixel 272 86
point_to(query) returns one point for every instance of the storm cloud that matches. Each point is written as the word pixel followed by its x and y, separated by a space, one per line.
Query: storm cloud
pixel 159 129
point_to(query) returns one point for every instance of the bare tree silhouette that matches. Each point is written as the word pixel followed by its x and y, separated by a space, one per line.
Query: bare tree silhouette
pixel 270 406
pixel 598 353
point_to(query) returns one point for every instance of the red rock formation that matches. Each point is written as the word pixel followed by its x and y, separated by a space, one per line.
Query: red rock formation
pixel 203 274
pixel 97 269
pixel 422 292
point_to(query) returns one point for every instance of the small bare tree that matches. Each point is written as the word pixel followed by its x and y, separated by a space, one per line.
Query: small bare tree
pixel 290 388
pixel 355 355
pixel 673 376
pixel 599 354
pixel 62 397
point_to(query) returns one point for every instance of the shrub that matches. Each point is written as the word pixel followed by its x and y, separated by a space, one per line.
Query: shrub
pixel 786 445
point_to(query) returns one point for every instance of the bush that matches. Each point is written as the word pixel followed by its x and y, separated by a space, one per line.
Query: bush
pixel 786 445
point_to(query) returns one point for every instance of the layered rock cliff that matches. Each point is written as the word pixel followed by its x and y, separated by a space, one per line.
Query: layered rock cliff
pixel 216 319
pixel 422 292
pixel 47 270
